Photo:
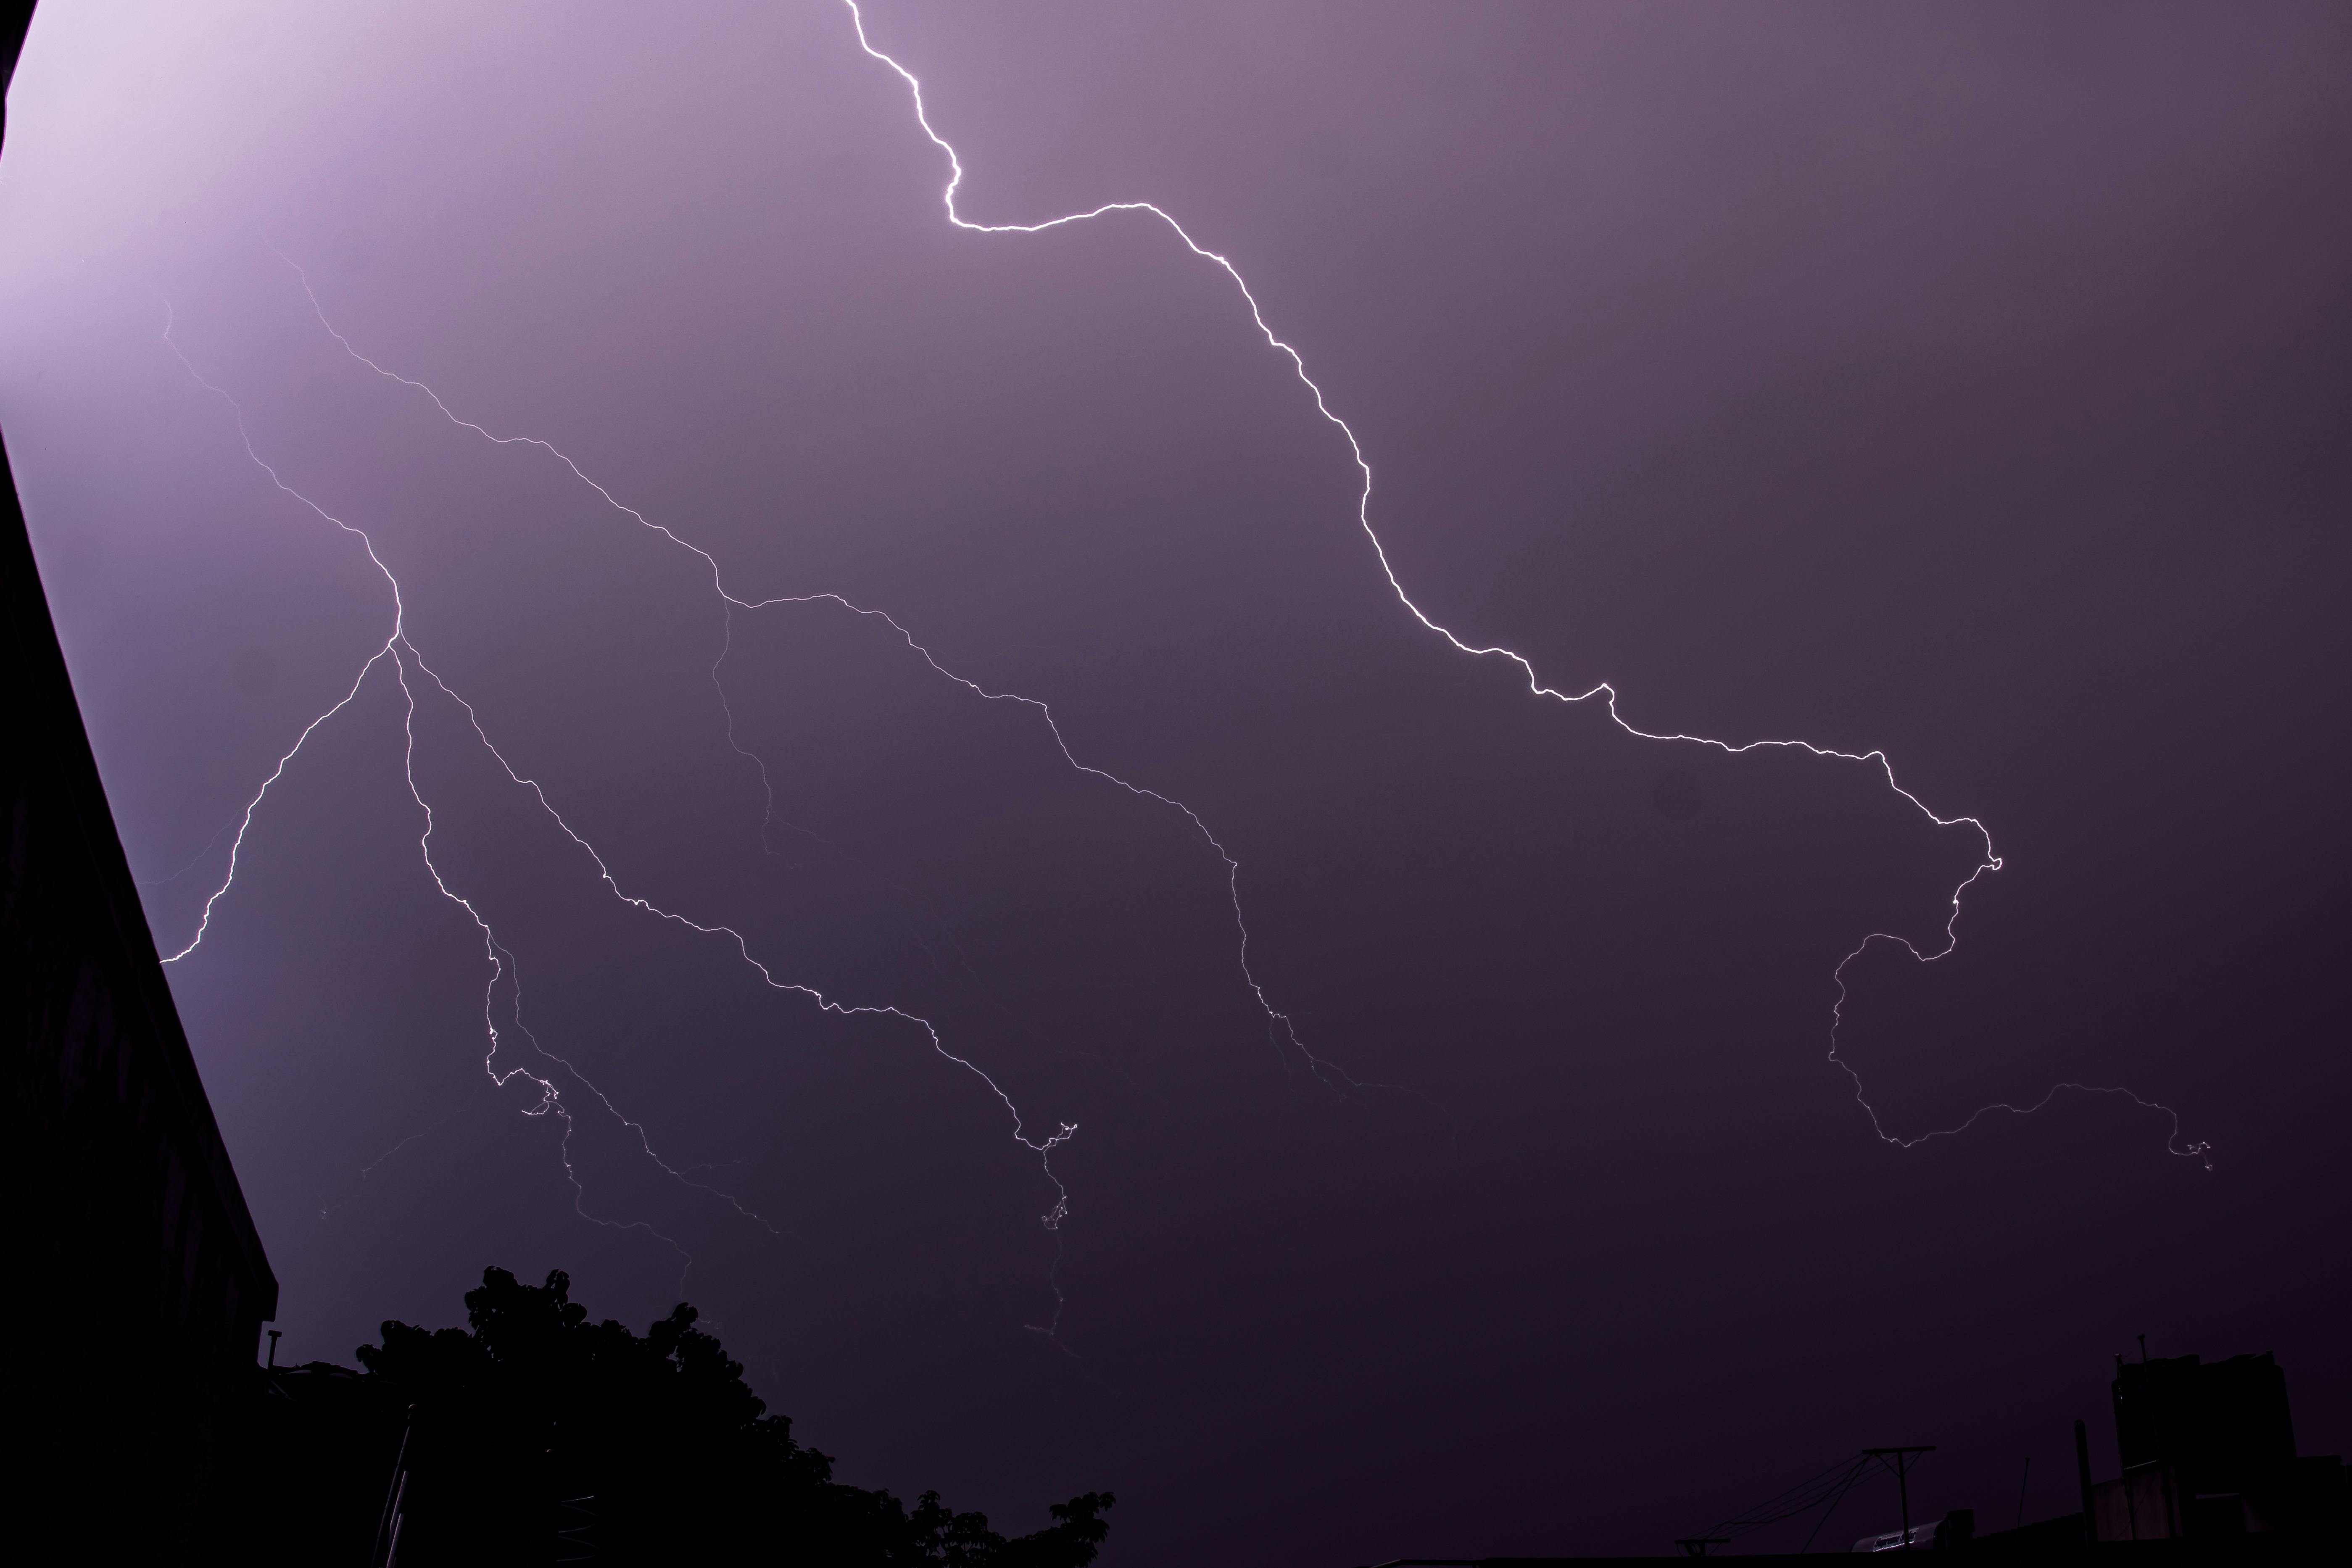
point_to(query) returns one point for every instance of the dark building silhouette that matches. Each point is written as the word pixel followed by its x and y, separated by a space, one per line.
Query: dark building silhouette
pixel 136 1284
pixel 2208 1451
pixel 2221 1423
pixel 2210 1475
pixel 319 1450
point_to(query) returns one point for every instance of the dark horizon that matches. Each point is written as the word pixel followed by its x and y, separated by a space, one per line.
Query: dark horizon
pixel 1457 1144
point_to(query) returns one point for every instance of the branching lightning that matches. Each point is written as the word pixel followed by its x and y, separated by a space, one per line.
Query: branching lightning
pixel 405 661
pixel 403 656
pixel 1279 1023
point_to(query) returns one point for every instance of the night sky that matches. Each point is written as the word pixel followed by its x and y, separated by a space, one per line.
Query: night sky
pixel 1971 383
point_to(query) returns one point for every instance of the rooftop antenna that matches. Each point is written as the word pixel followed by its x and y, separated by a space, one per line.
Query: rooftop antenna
pixel 273 1347
pixel 2083 1474
pixel 2021 1492
pixel 2143 1350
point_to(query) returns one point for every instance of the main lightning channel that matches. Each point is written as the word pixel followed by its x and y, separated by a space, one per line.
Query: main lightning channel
pixel 402 655
pixel 1989 861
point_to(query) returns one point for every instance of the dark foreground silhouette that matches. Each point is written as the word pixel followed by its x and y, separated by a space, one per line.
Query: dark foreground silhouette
pixel 536 1436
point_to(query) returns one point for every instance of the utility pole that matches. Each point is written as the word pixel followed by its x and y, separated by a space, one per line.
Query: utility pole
pixel 1902 1461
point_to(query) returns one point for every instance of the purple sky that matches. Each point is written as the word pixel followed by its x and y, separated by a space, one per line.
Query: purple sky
pixel 1967 384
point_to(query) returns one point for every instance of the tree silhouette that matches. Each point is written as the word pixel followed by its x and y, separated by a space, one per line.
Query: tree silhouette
pixel 538 1437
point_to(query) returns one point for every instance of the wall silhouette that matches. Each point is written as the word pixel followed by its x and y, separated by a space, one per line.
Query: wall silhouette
pixel 136 1283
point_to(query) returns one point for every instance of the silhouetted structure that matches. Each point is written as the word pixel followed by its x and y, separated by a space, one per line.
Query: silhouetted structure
pixel 2208 1451
pixel 316 1447
pixel 136 1284
pixel 2211 1476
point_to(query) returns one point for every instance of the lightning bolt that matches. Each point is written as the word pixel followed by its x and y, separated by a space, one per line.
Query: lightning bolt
pixel 408 663
pixel 404 659
pixel 1604 692
pixel 1279 1023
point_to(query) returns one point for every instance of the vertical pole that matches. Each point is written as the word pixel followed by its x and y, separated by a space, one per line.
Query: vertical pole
pixel 2083 1471
pixel 1900 1461
pixel 2021 1492
pixel 393 1495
